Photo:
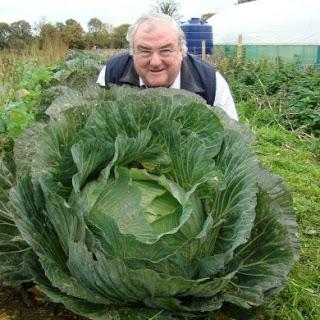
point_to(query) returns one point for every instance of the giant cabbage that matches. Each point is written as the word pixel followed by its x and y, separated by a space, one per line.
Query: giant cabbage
pixel 140 204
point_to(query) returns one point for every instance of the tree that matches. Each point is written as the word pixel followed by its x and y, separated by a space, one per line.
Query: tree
pixel 99 39
pixel 21 29
pixel 37 27
pixel 169 7
pixel 48 30
pixel 5 33
pixel 49 34
pixel 118 38
pixel 21 34
pixel 103 39
pixel 73 36
pixel 60 26
pixel 71 22
pixel 95 25
pixel 97 35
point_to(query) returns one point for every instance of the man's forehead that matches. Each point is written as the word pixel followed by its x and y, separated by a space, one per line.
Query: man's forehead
pixel 165 33
pixel 155 25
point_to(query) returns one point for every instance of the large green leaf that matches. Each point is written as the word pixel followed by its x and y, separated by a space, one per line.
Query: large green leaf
pixel 15 254
pixel 53 146
pixel 263 262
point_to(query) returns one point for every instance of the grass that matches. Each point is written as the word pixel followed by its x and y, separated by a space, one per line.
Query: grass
pixel 296 159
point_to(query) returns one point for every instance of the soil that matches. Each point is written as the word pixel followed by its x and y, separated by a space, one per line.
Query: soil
pixel 31 305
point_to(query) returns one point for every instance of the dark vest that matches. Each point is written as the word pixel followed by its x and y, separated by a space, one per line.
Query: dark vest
pixel 197 76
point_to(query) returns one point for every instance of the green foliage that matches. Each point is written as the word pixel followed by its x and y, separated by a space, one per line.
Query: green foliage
pixel 5 33
pixel 34 92
pixel 35 77
pixel 303 102
pixel 71 22
pixel 20 29
pixel 15 118
pixel 27 105
pixel 73 35
pixel 79 70
pixel 118 37
pixel 95 25
pixel 279 93
pixel 18 36
pixel 149 204
pixel 298 163
pixel 296 158
pixel 97 35
pixel 48 33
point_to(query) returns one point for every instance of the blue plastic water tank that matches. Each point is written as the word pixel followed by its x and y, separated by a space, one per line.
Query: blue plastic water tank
pixel 197 30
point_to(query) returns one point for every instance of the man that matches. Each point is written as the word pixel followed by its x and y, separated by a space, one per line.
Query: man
pixel 158 58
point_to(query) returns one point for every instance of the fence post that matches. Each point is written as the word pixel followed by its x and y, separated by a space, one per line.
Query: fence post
pixel 239 49
pixel 203 49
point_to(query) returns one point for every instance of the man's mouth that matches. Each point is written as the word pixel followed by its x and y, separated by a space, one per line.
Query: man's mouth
pixel 156 70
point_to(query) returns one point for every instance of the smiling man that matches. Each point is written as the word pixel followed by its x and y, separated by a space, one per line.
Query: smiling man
pixel 158 58
pixel 157 55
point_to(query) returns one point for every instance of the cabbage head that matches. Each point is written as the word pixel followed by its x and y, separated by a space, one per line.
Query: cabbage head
pixel 145 204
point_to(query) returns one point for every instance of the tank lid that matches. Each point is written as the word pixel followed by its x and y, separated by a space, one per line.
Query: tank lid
pixel 197 21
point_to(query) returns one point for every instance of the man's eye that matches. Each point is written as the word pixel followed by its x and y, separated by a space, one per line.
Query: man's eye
pixel 145 52
pixel 165 51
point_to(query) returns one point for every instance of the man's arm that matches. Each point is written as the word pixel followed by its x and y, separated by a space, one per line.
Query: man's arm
pixel 223 98
pixel 101 78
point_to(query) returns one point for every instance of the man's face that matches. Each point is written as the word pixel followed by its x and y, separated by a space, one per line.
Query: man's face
pixel 157 56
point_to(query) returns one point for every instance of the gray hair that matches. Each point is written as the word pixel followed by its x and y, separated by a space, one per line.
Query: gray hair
pixel 158 17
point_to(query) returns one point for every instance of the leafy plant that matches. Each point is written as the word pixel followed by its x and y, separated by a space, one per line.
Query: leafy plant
pixel 15 118
pixel 146 204
pixel 303 102
pixel 28 104
pixel 289 92
pixel 78 70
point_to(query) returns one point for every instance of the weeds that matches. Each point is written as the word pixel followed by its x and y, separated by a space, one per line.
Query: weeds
pixel 287 93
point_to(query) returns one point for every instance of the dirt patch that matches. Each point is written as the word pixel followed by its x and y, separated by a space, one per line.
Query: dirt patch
pixel 30 305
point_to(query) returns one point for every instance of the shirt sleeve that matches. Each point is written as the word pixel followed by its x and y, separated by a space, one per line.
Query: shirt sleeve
pixel 101 77
pixel 224 98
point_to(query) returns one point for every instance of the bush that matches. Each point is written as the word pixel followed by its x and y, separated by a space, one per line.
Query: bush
pixel 288 90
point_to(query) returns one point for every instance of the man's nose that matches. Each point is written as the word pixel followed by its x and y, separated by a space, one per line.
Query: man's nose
pixel 155 58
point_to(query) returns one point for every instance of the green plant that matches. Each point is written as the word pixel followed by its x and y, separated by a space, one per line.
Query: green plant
pixel 297 162
pixel 15 118
pixel 29 103
pixel 303 102
pixel 283 94
pixel 79 70
pixel 151 205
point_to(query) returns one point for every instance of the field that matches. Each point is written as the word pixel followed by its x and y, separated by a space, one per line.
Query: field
pixel 279 102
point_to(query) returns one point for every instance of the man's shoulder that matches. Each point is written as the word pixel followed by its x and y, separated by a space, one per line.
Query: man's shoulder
pixel 197 62
pixel 204 75
pixel 117 66
pixel 119 59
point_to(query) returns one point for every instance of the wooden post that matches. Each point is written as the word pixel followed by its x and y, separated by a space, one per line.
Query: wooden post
pixel 203 49
pixel 239 49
